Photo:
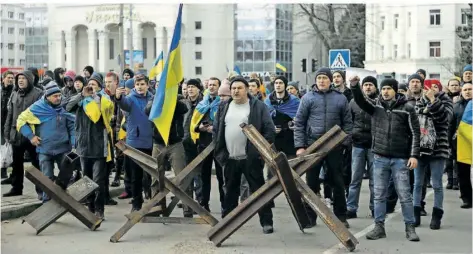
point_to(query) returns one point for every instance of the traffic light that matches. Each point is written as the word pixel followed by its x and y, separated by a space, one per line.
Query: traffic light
pixel 304 65
pixel 314 64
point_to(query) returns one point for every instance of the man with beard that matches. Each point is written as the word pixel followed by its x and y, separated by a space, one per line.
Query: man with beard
pixel 24 95
pixel 6 88
pixel 53 133
pixel 362 156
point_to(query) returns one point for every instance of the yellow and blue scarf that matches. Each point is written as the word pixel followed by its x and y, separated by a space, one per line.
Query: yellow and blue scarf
pixel 200 110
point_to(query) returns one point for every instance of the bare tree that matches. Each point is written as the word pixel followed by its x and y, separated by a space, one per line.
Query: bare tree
pixel 339 27
pixel 464 55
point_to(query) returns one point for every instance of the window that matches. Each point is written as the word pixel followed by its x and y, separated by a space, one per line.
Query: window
pixel 154 47
pixel 383 19
pixel 409 50
pixel 22 47
pixel 111 47
pixel 11 62
pixel 22 62
pixel 97 46
pixel 144 44
pixel 382 52
pixel 198 25
pixel 22 31
pixel 435 17
pixel 198 70
pixel 465 16
pixel 409 18
pixel 395 51
pixel 434 75
pixel 11 30
pixel 10 45
pixel 10 15
pixel 198 55
pixel 396 20
pixel 198 40
pixel 434 47
pixel 21 16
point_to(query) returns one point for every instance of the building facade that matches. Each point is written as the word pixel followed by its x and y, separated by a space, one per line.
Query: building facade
pixel 81 35
pixel 402 38
pixel 12 36
pixel 36 41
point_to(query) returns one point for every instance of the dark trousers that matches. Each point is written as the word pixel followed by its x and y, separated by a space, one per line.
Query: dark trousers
pixel 127 178
pixel 18 169
pixel 347 152
pixel 334 170
pixel 452 173
pixel 137 180
pixel 96 169
pixel 120 158
pixel 206 173
pixel 191 153
pixel 110 166
pixel 464 179
pixel 253 171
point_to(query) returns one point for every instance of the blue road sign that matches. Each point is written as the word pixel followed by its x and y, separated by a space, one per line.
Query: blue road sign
pixel 339 59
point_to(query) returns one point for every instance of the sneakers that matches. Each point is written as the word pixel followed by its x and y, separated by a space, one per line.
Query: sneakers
pixel 411 233
pixel 378 232
pixel 268 229
pixel 100 215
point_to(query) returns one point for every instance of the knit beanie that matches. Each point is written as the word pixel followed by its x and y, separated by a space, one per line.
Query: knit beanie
pixel 239 79
pixel 429 82
pixel 390 82
pixel 467 68
pixel 342 73
pixel 224 90
pixel 80 78
pixel 283 79
pixel 97 77
pixel 416 76
pixel 422 71
pixel 370 79
pixel 130 83
pixel 90 69
pixel 130 72
pixel 50 74
pixel 403 86
pixel 70 74
pixel 51 88
pixel 196 83
pixel 324 71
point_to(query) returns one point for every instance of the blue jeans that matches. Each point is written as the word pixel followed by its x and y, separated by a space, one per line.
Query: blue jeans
pixel 361 158
pixel 46 164
pixel 383 167
pixel 436 168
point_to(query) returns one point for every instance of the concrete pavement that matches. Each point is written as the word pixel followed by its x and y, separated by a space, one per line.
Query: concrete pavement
pixel 69 234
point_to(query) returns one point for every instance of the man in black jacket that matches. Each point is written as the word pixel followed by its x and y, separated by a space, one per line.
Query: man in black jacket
pixel 235 153
pixel 362 156
pixel 24 95
pixel 174 152
pixel 454 90
pixel 7 89
pixel 396 133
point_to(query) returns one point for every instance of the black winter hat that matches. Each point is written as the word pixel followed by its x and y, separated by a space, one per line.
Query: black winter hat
pixel 342 73
pixel 403 86
pixel 129 71
pixel 81 79
pixel 283 79
pixel 324 71
pixel 416 76
pixel 49 73
pixel 90 69
pixel 196 83
pixel 370 79
pixel 97 78
pixel 422 71
pixel 239 79
pixel 390 82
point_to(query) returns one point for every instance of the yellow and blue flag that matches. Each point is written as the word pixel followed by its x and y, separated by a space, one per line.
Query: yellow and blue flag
pixel 281 67
pixel 164 103
pixel 464 136
pixel 200 110
pixel 158 66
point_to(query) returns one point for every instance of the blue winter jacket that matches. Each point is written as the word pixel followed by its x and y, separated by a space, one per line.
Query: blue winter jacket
pixel 318 113
pixel 139 130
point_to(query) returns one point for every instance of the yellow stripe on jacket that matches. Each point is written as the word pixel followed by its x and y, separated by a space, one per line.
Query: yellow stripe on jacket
pixel 196 118
pixel 27 117
pixel 122 132
pixel 464 143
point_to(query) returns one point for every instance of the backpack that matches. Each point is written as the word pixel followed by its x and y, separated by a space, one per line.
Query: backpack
pixel 428 136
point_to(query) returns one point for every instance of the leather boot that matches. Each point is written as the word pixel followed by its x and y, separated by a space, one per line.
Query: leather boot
pixel 417 210
pixel 437 215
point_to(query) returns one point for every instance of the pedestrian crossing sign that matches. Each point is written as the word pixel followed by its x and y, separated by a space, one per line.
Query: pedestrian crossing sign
pixel 339 59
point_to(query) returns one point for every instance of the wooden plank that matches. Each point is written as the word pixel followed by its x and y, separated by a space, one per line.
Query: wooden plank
pixel 173 220
pixel 51 211
pixel 65 200
pixel 187 173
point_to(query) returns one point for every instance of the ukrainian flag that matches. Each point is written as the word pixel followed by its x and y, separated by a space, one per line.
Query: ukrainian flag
pixel 164 103
pixel 158 66
pixel 464 136
pixel 281 67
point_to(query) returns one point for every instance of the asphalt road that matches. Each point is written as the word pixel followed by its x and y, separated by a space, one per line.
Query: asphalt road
pixel 68 235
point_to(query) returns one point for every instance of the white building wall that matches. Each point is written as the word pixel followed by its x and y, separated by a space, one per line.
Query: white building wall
pixel 17 54
pixel 418 35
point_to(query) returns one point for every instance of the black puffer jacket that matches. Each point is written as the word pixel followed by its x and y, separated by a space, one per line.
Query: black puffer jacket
pixel 441 112
pixel 19 101
pixel 395 128
pixel 188 116
pixel 361 134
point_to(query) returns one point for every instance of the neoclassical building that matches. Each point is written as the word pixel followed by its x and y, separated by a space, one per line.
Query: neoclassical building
pixel 81 35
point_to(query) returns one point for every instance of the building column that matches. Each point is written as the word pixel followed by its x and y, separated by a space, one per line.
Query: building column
pixel 70 38
pixel 92 36
pixel 103 52
pixel 60 53
pixel 164 40
pixel 137 35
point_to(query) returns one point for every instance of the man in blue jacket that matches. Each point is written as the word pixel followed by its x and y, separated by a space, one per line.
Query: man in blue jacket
pixel 51 129
pixel 320 110
pixel 139 131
